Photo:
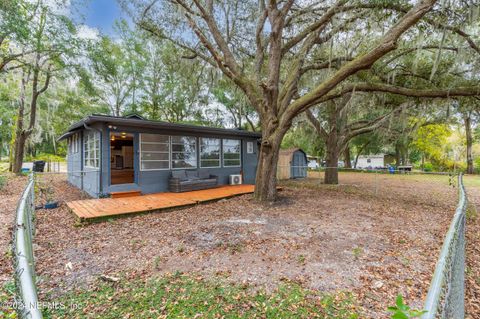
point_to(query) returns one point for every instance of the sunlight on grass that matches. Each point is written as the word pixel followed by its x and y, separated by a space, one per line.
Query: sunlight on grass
pixel 471 180
pixel 187 296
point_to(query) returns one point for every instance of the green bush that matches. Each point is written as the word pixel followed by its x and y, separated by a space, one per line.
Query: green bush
pixel 428 167
pixel 45 157
pixel 476 165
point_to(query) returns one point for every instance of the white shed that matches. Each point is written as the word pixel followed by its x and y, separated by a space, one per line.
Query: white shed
pixel 371 161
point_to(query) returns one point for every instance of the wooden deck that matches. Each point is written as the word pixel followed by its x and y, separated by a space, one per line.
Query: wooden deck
pixel 104 207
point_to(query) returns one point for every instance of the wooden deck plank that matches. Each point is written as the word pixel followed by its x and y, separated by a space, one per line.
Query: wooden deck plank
pixel 104 207
pixel 79 210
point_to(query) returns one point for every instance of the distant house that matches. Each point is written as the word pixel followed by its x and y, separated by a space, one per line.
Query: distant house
pixel 374 160
pixel 109 154
pixel 292 163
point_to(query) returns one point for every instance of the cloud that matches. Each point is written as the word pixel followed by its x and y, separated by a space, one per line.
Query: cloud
pixel 86 32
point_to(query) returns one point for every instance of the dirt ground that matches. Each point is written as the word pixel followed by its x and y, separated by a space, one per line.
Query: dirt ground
pixel 9 196
pixel 325 237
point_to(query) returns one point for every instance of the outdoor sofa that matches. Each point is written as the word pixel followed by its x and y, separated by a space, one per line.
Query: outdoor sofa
pixel 190 180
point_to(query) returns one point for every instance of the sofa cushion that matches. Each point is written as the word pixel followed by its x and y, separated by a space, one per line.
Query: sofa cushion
pixel 192 175
pixel 180 175
pixel 203 174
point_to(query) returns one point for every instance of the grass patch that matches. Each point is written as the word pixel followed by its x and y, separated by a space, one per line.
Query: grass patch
pixel 471 212
pixel 4 166
pixel 3 181
pixel 188 296
pixel 471 180
pixel 7 292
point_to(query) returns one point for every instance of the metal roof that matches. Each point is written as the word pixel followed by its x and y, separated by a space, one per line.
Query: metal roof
pixel 290 151
pixel 134 121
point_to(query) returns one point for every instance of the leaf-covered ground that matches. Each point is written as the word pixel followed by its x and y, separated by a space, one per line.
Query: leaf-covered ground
pixel 324 238
pixel 186 296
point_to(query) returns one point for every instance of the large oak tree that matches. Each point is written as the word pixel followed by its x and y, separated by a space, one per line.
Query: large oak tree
pixel 269 48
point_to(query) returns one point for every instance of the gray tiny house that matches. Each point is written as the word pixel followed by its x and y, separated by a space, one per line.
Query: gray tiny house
pixel 108 154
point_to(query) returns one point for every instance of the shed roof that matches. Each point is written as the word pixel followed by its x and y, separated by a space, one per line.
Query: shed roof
pixel 290 151
pixel 137 121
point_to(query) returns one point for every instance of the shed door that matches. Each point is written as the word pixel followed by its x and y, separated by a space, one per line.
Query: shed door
pixel 299 166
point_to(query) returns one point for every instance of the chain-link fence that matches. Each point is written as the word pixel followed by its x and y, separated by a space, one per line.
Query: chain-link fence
pixel 26 299
pixel 445 298
pixel 380 182
pixel 446 295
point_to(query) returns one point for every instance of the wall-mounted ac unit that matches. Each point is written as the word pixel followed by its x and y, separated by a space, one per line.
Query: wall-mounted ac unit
pixel 235 179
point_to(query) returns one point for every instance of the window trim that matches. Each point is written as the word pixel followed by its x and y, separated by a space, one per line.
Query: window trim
pixel 140 160
pixel 220 160
pixel 75 140
pixel 171 153
pixel 250 151
pixel 96 143
pixel 239 153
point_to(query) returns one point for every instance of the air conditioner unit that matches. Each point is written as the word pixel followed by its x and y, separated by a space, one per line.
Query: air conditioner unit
pixel 235 179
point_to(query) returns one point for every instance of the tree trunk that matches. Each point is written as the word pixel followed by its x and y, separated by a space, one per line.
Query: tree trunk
pixel 397 155
pixel 331 172
pixel 347 157
pixel 266 178
pixel 19 152
pixel 364 146
pixel 16 161
pixel 468 133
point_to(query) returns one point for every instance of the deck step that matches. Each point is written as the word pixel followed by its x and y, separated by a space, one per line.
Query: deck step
pixel 125 194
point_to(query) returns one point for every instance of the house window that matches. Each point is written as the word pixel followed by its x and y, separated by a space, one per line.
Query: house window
pixel 231 153
pixel 75 143
pixel 184 152
pixel 154 152
pixel 91 155
pixel 209 152
pixel 249 147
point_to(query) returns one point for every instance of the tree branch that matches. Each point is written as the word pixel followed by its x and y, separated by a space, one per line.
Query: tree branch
pixel 316 124
pixel 387 44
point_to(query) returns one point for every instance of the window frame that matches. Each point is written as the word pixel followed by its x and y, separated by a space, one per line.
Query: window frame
pixel 239 153
pixel 219 152
pixel 75 143
pixel 169 152
pixel 94 138
pixel 250 147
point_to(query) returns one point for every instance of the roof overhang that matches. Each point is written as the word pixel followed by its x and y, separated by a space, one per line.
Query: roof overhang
pixel 141 123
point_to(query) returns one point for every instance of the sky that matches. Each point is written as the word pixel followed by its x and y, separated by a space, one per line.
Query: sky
pixel 99 14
